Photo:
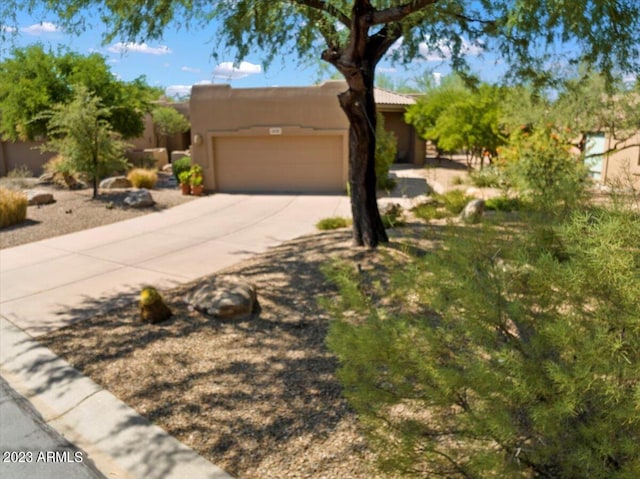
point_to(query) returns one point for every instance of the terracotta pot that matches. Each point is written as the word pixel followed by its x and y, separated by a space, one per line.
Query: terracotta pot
pixel 186 188
pixel 196 190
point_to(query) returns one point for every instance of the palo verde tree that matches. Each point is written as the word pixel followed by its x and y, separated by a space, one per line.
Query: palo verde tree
pixel 80 133
pixel 354 35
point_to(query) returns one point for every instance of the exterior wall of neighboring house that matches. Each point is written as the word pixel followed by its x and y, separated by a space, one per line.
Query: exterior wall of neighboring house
pixel 411 148
pixel 149 139
pixel 270 139
pixel 624 163
pixel 16 154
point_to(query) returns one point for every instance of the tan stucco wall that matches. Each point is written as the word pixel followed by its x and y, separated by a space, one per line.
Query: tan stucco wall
pixel 14 155
pixel 411 148
pixel 219 110
pixel 623 163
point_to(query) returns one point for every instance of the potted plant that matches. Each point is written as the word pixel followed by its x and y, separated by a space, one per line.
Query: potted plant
pixel 196 179
pixel 184 177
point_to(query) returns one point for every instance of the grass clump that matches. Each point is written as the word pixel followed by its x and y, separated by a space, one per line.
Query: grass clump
pixel 443 205
pixel 143 178
pixel 504 203
pixel 333 223
pixel 13 207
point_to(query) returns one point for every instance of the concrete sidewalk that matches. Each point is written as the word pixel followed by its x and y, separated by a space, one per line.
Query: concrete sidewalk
pixel 51 283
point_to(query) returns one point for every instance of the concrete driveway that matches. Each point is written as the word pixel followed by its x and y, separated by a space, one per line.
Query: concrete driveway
pixel 47 284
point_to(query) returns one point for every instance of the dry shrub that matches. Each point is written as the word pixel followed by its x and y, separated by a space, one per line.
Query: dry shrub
pixel 63 174
pixel 143 178
pixel 13 207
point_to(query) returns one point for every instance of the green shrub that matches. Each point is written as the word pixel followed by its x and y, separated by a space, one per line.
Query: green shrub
pixel 180 165
pixel 13 207
pixel 492 357
pixel 392 216
pixel 504 203
pixel 541 165
pixel 386 150
pixel 430 211
pixel 489 177
pixel 333 223
pixel 454 201
pixel 143 178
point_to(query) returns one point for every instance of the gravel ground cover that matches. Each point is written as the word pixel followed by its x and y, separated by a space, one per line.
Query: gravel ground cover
pixel 75 210
pixel 257 397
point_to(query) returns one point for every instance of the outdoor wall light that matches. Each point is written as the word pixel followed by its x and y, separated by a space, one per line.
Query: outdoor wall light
pixel 197 139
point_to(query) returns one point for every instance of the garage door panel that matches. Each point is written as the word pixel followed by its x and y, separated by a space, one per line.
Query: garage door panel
pixel 279 163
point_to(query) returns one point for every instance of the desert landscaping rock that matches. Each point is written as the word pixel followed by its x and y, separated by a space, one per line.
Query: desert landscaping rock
pixel 139 199
pixel 473 211
pixel 115 182
pixel 39 197
pixel 226 297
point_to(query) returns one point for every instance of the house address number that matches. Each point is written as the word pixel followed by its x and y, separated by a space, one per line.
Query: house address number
pixel 275 131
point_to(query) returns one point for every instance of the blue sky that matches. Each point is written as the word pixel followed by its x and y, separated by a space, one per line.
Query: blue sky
pixel 182 59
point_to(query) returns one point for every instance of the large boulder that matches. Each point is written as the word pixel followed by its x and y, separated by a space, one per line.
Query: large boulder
pixel 139 199
pixel 115 182
pixel 473 211
pixel 225 297
pixel 39 197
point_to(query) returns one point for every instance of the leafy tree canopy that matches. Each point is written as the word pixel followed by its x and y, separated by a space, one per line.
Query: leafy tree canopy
pixel 459 118
pixel 600 32
pixel 32 80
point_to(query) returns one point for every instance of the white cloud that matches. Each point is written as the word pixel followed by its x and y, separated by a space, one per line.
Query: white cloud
pixel 5 28
pixel 227 71
pixel 139 48
pixel 444 51
pixel 437 78
pixel 386 70
pixel 40 28
pixel 190 70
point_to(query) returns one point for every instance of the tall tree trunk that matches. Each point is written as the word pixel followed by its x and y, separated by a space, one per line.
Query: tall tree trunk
pixel 359 106
pixel 357 61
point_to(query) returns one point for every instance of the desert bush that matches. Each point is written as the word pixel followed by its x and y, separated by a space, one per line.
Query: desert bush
pixel 180 165
pixel 505 203
pixel 454 201
pixel 386 150
pixel 22 171
pixel 333 223
pixel 13 207
pixel 143 178
pixel 489 177
pixel 495 357
pixel 430 211
pixel 539 163
pixel 392 215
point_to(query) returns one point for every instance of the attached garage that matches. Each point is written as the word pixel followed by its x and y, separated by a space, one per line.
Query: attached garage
pixel 275 163
pixel 270 140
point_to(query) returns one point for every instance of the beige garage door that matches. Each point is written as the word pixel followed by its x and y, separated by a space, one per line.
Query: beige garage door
pixel 279 163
